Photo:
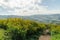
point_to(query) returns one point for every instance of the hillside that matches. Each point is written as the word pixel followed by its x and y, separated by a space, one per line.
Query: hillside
pixel 20 29
pixel 23 29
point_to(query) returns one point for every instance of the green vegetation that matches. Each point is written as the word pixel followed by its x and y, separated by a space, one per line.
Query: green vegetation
pixel 55 32
pixel 20 29
pixel 55 37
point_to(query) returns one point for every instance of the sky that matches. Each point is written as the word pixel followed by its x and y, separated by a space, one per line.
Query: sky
pixel 29 7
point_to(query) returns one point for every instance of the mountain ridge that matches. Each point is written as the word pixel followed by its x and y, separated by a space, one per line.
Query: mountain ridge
pixel 41 18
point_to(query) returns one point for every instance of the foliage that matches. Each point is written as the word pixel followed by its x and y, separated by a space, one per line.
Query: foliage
pixel 20 29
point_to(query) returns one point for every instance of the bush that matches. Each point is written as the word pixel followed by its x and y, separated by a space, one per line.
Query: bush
pixel 19 29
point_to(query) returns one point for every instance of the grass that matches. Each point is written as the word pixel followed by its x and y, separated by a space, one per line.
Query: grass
pixel 2 34
pixel 55 37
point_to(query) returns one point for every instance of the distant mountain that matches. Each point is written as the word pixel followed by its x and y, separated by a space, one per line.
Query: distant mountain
pixel 54 18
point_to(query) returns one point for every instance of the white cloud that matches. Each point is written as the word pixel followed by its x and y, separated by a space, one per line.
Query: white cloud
pixel 18 3
pixel 26 7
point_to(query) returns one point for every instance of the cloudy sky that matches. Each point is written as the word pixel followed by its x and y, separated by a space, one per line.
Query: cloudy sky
pixel 29 7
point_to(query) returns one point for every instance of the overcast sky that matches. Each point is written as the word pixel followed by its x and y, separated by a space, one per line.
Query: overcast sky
pixel 29 7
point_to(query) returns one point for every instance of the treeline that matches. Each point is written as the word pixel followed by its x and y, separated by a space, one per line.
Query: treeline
pixel 20 29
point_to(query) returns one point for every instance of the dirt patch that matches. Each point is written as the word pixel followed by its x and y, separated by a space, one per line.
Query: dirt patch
pixel 44 37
